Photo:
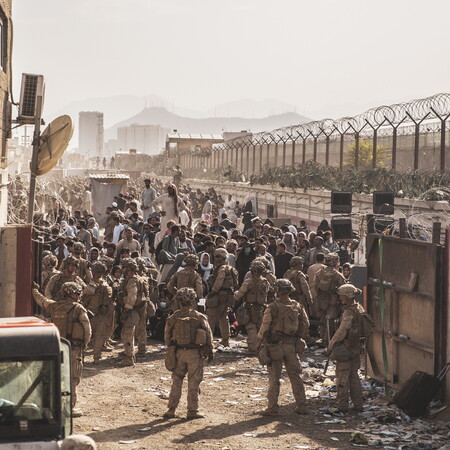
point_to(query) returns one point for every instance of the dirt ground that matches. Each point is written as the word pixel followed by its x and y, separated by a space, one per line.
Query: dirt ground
pixel 123 408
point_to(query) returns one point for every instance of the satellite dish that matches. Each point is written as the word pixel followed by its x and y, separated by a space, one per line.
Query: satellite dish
pixel 54 141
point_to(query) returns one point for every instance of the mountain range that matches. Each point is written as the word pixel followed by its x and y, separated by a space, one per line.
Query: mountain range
pixel 211 125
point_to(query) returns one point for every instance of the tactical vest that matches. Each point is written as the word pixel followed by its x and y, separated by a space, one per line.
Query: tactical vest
pixel 185 328
pixel 140 298
pixel 326 280
pixel 186 278
pixel 293 275
pixel 285 318
pixel 63 317
pixel 258 291
pixel 58 285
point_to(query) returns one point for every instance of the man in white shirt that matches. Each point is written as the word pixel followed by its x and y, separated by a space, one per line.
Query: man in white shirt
pixel 128 242
pixel 118 227
pixel 147 197
pixel 229 206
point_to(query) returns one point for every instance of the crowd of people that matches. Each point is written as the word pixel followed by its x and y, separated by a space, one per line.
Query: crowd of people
pixel 187 267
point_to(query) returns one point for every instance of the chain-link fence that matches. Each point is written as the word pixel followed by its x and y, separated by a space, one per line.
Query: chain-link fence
pixel 405 136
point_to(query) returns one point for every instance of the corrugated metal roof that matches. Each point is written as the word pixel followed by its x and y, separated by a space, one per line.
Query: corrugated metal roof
pixel 109 175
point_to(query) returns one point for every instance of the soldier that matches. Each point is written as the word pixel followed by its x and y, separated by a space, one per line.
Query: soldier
pixel 147 309
pixel 133 301
pixel 223 282
pixel 189 340
pixel 83 269
pixel 285 324
pixel 253 293
pixel 349 333
pixel 187 277
pixel 68 273
pixel 270 277
pixel 72 321
pixel 97 298
pixel 326 283
pixel 298 279
pixel 49 264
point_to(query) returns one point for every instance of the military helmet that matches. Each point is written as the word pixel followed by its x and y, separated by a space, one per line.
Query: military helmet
pixel 258 267
pixel 50 261
pixel 296 261
pixel 140 262
pixel 283 285
pixel 221 252
pixel 331 259
pixel 191 260
pixel 186 296
pixel 78 247
pixel 130 264
pixel 98 267
pixel 71 260
pixel 349 290
pixel 69 288
pixel 263 259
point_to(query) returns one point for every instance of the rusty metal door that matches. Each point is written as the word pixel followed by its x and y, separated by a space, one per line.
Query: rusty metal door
pixel 406 300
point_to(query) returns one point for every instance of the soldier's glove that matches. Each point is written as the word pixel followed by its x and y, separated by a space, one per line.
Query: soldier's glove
pixel 35 285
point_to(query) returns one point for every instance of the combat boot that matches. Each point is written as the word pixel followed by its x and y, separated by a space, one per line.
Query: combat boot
pixel 125 362
pixel 194 415
pixel 301 409
pixel 169 414
pixel 96 360
pixel 225 342
pixel 269 412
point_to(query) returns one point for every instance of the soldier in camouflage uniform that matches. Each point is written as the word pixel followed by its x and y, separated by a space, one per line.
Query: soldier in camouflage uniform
pixel 187 277
pixel 270 277
pixel 188 339
pixel 298 279
pixel 133 301
pixel 349 333
pixel 326 282
pixel 72 321
pixel 78 251
pixel 253 293
pixel 223 282
pixel 49 264
pixel 147 309
pixel 97 298
pixel 68 273
pixel 284 327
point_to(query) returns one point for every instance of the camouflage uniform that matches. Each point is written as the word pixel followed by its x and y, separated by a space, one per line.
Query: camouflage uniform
pixel 254 292
pixel 298 279
pixel 182 332
pixel 56 282
pixel 326 283
pixel 347 379
pixel 284 323
pixel 73 324
pixel 270 277
pixel 49 264
pixel 223 282
pixel 97 298
pixel 132 300
pixel 187 277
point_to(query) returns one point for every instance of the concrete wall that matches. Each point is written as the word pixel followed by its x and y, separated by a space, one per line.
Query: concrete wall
pixel 314 205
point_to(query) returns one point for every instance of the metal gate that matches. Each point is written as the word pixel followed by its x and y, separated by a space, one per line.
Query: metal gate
pixel 406 298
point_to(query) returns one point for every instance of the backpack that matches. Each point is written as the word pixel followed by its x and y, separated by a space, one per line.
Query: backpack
pixel 366 325
pixel 61 318
pixel 184 330
pixel 326 280
pixel 287 322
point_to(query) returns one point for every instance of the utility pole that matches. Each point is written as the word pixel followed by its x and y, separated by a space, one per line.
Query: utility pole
pixel 35 157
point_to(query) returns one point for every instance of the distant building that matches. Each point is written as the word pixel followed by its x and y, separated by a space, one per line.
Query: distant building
pixel 148 139
pixel 91 134
pixel 178 144
pixel 229 135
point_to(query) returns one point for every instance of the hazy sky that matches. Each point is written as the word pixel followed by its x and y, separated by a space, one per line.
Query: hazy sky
pixel 199 53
